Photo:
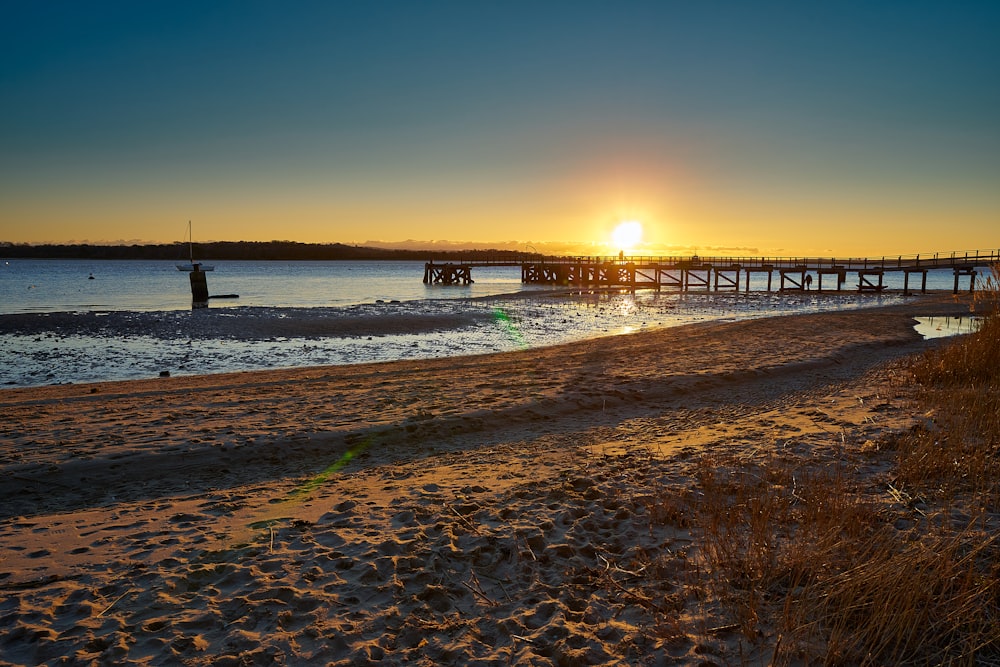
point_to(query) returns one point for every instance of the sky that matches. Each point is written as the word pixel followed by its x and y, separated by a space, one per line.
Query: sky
pixel 742 128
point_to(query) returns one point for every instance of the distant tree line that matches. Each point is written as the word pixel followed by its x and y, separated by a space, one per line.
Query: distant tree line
pixel 239 250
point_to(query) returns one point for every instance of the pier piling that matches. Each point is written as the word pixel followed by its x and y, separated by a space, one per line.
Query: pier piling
pixel 965 271
pixel 199 287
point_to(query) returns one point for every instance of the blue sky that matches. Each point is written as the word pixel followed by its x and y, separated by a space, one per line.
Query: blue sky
pixel 855 128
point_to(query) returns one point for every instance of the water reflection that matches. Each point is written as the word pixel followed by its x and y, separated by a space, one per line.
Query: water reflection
pixel 943 326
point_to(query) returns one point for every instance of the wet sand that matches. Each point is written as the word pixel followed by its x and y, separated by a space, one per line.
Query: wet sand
pixel 470 510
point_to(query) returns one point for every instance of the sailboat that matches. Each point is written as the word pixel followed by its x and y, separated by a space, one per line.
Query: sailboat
pixel 191 264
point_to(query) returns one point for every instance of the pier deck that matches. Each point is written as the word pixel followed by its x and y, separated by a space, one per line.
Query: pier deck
pixel 719 273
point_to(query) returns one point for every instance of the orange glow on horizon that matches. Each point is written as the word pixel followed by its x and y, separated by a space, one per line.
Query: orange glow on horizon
pixel 581 222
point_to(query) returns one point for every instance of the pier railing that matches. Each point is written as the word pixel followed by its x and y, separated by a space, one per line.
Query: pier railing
pixel 945 260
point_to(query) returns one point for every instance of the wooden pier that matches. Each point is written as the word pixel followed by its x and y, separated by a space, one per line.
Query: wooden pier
pixel 720 273
pixel 449 274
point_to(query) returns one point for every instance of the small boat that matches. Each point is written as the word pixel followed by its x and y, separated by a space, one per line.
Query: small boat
pixel 191 265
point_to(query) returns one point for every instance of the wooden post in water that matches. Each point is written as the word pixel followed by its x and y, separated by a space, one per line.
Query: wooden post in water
pixel 965 271
pixel 796 277
pixel 906 280
pixel 449 274
pixel 837 271
pixel 728 281
pixel 865 283
pixel 199 287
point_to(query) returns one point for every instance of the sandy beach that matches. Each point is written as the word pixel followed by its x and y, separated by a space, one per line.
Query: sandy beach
pixel 493 509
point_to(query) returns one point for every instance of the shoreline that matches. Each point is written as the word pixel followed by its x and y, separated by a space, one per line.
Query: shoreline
pixel 431 509
pixel 464 395
pixel 70 347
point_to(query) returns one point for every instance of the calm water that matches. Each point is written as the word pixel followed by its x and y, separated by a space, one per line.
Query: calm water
pixel 38 286
pixel 134 318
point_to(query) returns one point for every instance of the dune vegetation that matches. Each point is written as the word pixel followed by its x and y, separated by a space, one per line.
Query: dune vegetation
pixel 884 552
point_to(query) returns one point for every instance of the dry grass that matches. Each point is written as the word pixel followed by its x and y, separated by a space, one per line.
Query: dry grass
pixel 959 451
pixel 812 563
pixel 929 600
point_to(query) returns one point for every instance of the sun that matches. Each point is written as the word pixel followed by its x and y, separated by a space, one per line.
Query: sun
pixel 627 235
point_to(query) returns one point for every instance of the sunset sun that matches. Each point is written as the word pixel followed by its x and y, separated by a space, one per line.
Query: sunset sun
pixel 627 235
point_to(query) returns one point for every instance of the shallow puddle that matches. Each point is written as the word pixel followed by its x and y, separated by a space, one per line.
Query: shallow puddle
pixel 940 327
